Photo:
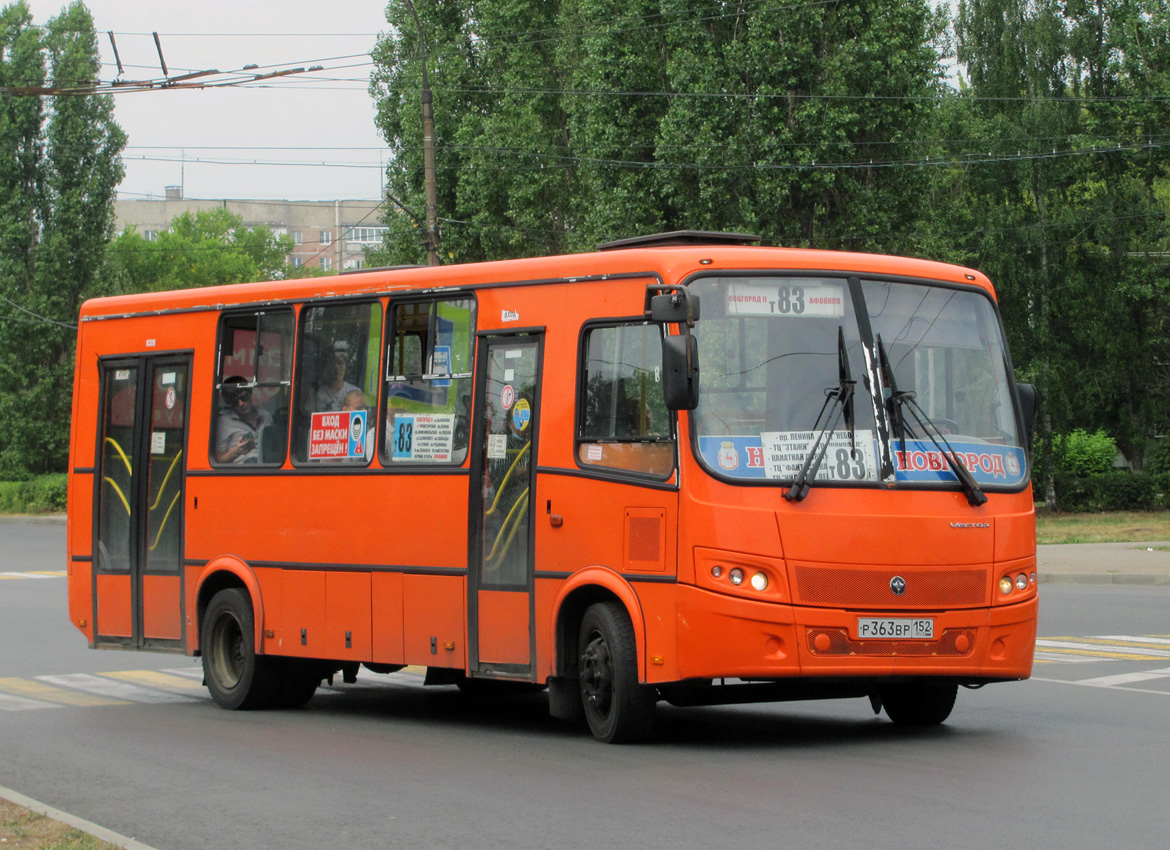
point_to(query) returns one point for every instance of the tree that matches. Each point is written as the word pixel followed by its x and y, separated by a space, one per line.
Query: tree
pixel 56 204
pixel 206 248
pixel 569 122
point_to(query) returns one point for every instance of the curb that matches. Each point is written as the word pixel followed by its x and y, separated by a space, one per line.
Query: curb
pixel 73 821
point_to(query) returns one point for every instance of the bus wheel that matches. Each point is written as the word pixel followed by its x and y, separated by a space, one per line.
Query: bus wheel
pixel 618 709
pixel 919 703
pixel 235 675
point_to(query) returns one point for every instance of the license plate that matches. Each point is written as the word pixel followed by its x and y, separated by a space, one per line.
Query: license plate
pixel 895 628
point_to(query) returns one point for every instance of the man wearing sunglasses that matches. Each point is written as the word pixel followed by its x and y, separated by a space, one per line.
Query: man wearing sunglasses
pixel 237 431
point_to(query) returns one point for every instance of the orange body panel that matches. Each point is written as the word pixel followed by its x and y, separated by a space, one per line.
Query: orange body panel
pixel 372 564
pixel 114 616
pixel 503 627
pixel 161 613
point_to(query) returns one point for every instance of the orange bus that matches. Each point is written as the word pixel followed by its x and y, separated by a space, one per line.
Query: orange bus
pixel 680 468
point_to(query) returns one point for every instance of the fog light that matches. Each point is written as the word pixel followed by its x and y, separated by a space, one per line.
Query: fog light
pixel 736 576
pixel 1022 582
pixel 1032 578
pixel 760 581
pixel 1005 585
pixel 716 571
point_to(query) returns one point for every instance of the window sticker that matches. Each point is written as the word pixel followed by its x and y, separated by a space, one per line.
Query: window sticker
pixel 441 365
pixel 497 447
pixel 331 435
pixel 167 378
pixel 847 458
pixel 422 436
pixel 158 442
pixel 507 397
pixel 521 415
pixel 121 374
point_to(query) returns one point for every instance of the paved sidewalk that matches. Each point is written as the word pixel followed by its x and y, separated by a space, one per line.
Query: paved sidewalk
pixel 1104 563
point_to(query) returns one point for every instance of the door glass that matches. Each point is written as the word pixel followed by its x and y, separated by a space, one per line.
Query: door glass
pixel 116 504
pixel 510 418
pixel 165 468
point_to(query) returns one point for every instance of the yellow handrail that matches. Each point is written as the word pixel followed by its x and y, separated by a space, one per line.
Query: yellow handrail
pixel 166 517
pixel 118 490
pixel 125 459
pixel 508 526
pixel 166 478
pixel 507 475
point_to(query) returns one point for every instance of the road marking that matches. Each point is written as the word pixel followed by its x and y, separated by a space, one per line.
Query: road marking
pixel 1087 684
pixel 1064 659
pixel 112 689
pixel 155 679
pixel 11 703
pixel 1139 640
pixel 42 691
pixel 34 574
pixel 1155 648
pixel 187 673
pixel 1127 678
pixel 1092 652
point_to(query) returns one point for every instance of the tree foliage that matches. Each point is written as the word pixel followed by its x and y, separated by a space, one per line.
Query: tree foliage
pixel 202 249
pixel 59 166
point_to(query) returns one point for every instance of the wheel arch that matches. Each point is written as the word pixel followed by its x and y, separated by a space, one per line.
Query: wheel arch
pixel 220 574
pixel 584 588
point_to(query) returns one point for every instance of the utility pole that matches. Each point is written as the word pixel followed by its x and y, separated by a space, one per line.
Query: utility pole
pixel 429 188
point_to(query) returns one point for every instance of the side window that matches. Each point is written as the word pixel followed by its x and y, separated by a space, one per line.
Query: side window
pixel 428 381
pixel 337 383
pixel 622 420
pixel 252 383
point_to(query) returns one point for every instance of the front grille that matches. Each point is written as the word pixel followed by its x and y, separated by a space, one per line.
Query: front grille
pixel 839 643
pixel 870 588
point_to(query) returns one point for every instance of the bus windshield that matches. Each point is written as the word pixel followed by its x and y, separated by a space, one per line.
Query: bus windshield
pixel 927 365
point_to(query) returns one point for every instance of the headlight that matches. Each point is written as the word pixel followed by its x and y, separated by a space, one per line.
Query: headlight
pixel 1021 582
pixel 760 581
pixel 1005 585
pixel 735 576
pixel 716 571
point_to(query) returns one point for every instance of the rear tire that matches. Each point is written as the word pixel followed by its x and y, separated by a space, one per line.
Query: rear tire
pixel 919 703
pixel 618 708
pixel 236 676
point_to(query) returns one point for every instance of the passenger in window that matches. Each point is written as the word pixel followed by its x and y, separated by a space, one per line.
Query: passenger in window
pixel 332 389
pixel 238 427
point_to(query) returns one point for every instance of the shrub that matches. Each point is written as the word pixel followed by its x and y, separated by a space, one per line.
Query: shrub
pixel 1112 491
pixel 1083 454
pixel 44 494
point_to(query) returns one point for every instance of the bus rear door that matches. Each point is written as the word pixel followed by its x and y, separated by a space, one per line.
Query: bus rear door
pixel 138 523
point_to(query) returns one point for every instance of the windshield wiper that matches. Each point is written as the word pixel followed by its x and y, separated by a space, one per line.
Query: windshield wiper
pixel 838 403
pixel 900 399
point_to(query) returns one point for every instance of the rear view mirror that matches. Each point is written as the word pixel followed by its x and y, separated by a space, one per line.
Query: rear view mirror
pixel 680 370
pixel 679 306
pixel 1027 394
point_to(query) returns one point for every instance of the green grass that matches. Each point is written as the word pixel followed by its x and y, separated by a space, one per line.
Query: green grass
pixel 1111 527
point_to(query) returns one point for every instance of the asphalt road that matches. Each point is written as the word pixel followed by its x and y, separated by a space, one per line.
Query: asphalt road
pixel 1078 757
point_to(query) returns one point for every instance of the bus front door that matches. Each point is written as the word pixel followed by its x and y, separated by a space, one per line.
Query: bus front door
pixel 503 483
pixel 138 520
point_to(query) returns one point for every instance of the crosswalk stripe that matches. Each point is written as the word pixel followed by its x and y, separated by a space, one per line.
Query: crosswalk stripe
pixel 1098 650
pixel 156 679
pixel 1138 639
pixel 37 574
pixel 114 690
pixel 1129 641
pixel 1127 678
pixel 11 703
pixel 42 691
pixel 1064 659
pixel 195 673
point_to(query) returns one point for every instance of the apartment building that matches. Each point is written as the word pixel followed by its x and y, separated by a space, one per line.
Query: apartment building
pixel 326 234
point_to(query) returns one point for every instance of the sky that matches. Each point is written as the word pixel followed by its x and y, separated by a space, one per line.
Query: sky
pixel 214 142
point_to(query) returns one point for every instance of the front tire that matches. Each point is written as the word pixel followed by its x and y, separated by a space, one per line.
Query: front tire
pixel 919 703
pixel 618 708
pixel 236 676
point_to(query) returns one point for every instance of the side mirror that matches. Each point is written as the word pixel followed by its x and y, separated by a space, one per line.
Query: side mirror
pixel 1027 394
pixel 680 371
pixel 679 306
